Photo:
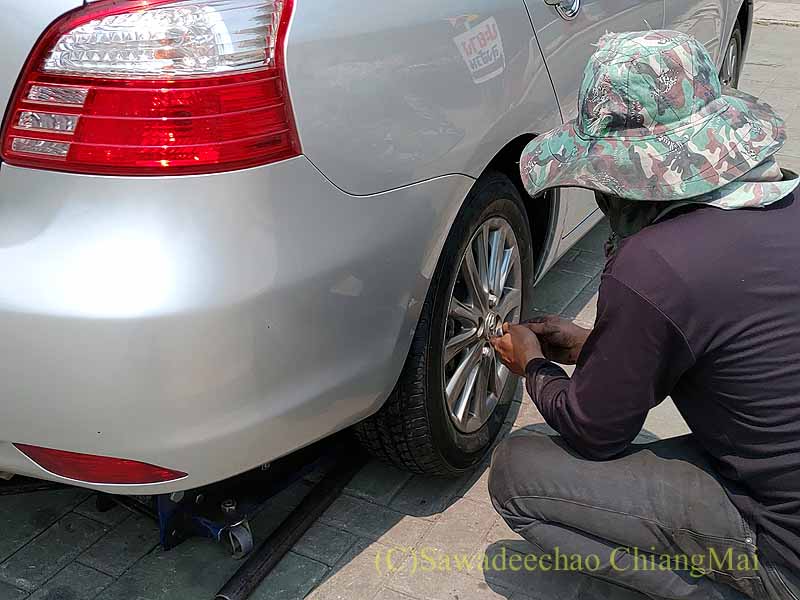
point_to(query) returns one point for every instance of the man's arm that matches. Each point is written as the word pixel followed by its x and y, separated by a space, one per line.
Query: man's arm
pixel 630 363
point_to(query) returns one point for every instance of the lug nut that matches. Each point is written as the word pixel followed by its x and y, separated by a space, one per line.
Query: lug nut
pixel 492 300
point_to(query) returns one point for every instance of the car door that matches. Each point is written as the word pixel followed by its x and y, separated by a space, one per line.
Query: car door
pixel 703 19
pixel 567 34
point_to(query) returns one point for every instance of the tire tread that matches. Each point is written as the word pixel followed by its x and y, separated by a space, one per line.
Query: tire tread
pixel 400 432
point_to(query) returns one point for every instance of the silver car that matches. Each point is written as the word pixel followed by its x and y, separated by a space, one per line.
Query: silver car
pixel 229 228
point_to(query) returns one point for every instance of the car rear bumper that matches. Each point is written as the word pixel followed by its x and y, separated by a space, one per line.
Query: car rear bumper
pixel 205 324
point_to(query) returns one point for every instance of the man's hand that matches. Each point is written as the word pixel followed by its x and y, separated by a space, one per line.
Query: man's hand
pixel 561 340
pixel 517 347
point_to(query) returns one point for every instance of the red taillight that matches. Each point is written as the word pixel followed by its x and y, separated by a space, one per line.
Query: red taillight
pixel 89 468
pixel 156 87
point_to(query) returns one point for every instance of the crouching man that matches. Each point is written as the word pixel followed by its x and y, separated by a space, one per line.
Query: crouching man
pixel 700 301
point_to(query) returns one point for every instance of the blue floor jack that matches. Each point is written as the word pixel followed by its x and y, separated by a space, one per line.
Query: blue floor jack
pixel 222 511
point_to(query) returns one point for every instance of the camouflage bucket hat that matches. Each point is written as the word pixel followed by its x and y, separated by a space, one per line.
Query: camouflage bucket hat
pixel 653 124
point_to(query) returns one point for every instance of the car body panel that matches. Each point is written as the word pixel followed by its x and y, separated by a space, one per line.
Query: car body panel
pixel 704 20
pixel 731 11
pixel 568 44
pixel 206 324
pixel 408 94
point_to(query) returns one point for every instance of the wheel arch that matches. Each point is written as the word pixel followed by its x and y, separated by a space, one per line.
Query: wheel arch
pixel 745 19
pixel 541 212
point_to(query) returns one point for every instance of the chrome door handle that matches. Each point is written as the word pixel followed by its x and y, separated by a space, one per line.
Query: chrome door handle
pixel 568 9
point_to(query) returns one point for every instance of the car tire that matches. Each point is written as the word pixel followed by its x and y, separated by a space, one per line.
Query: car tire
pixel 732 63
pixel 416 429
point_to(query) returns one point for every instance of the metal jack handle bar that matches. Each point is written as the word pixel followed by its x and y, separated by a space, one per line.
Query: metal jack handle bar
pixel 269 553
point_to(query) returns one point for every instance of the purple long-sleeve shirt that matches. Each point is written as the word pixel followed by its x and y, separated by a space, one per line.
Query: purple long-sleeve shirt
pixel 703 307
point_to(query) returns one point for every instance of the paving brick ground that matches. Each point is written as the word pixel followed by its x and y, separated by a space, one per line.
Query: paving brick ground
pixel 56 546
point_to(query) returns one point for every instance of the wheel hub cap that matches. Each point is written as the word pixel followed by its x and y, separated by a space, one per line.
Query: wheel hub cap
pixel 494 326
pixel 731 64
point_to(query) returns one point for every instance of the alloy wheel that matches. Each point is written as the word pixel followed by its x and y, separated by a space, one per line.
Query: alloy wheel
pixel 730 66
pixel 487 292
